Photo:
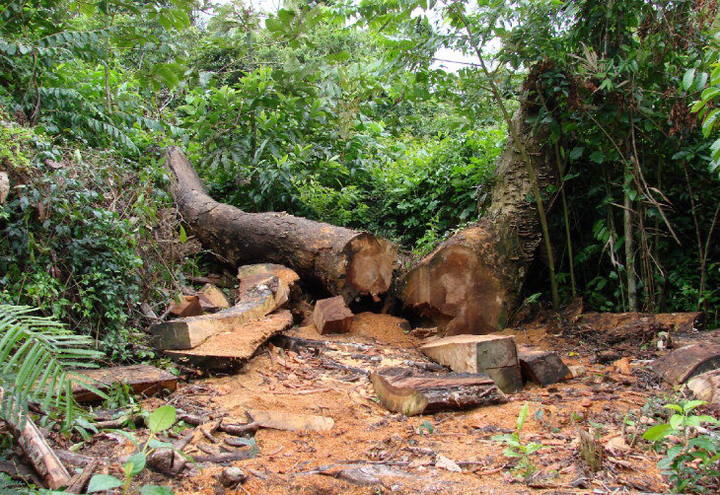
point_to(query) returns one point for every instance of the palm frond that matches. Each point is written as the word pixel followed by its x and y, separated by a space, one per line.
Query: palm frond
pixel 35 354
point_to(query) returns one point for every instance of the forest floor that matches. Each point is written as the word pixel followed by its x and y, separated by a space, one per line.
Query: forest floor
pixel 398 454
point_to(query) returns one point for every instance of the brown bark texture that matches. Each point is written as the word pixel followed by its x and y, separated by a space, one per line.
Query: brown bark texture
pixel 343 261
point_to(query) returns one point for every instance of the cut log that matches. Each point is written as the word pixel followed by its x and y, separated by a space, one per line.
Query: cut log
pixel 141 378
pixel 542 367
pixel 40 456
pixel 280 278
pixel 679 365
pixel 332 316
pixel 471 282
pixel 342 261
pixel 279 420
pixel 706 386
pixel 187 306
pixel 259 297
pixel 401 391
pixel 230 350
pixel 212 299
pixel 495 355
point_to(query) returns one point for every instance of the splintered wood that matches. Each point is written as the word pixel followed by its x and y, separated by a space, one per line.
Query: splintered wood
pixel 332 316
pixel 259 293
pixel 227 350
pixel 495 355
pixel 141 378
pixel 187 306
pixel 280 420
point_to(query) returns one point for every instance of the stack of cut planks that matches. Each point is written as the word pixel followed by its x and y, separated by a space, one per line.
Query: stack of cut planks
pixel 228 337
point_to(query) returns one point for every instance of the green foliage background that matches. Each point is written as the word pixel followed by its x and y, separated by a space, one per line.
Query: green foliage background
pixel 339 112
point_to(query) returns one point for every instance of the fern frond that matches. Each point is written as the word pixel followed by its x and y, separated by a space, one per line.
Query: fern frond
pixel 35 354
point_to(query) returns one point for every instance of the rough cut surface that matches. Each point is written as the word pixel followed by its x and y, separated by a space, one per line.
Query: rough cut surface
pixel 681 364
pixel 401 390
pixel 706 386
pixel 332 316
pixel 342 261
pixel 187 306
pixel 212 298
pixel 142 379
pixel 226 350
pixel 495 355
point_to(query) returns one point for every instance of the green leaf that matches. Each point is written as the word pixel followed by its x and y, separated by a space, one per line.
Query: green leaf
pixel 273 25
pixel 688 79
pixel 183 235
pixel 597 156
pixel 576 152
pixel 103 482
pixel 155 490
pixel 710 121
pixel 674 407
pixel 135 464
pixel 161 419
pixel 522 416
pixel 692 404
pixel 657 432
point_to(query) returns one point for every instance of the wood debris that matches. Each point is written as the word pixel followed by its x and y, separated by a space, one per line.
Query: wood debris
pixel 142 379
pixel 332 316
pixel 542 367
pixel 400 390
pixel 280 420
pixel 495 355
pixel 229 349
pixel 679 365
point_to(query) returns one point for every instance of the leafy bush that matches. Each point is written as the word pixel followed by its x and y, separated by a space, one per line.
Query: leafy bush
pixel 77 239
pixel 692 452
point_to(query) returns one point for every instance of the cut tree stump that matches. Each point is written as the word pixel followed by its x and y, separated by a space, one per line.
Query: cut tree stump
pixel 260 296
pixel 212 299
pixel 332 316
pixel 231 349
pixel 706 386
pixel 401 390
pixel 471 282
pixel 187 306
pixel 342 261
pixel 40 456
pixel 542 367
pixel 279 420
pixel 495 355
pixel 679 365
pixel 142 379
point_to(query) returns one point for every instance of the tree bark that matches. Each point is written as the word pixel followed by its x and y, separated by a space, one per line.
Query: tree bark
pixel 41 457
pixel 471 282
pixel 342 261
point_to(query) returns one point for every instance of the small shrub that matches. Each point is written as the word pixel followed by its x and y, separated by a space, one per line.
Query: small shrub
pixel 692 452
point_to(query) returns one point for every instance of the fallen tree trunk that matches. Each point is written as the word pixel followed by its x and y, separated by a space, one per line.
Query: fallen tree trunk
pixel 471 282
pixel 343 261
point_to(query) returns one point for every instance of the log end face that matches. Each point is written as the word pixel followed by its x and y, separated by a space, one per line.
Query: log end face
pixel 458 288
pixel 370 265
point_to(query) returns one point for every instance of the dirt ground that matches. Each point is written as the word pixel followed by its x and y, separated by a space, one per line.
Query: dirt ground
pixel 383 452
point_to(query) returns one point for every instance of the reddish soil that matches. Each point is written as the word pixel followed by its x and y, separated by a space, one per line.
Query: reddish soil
pixel 408 452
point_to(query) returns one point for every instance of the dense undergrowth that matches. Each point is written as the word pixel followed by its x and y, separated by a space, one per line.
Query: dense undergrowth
pixel 340 113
